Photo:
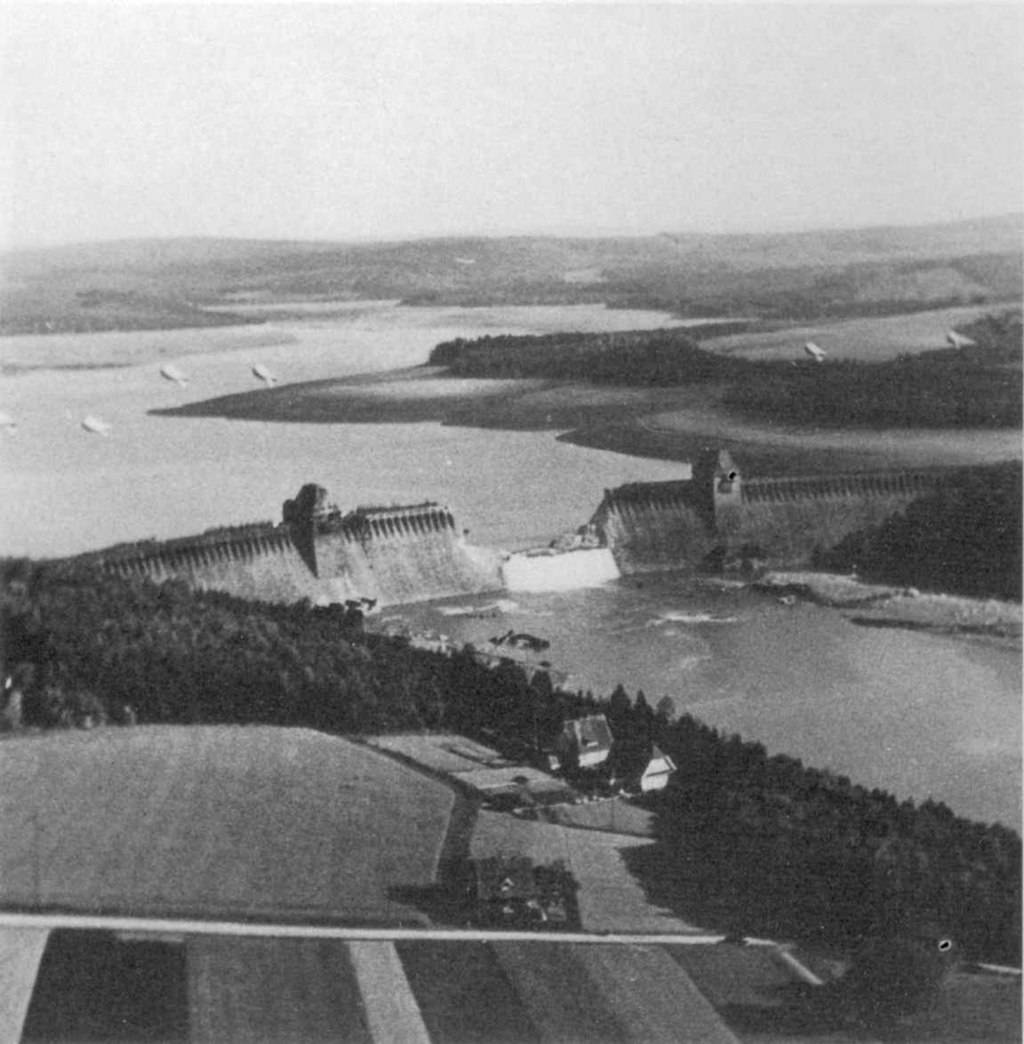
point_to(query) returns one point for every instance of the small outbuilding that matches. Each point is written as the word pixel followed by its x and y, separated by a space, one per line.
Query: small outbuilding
pixel 656 774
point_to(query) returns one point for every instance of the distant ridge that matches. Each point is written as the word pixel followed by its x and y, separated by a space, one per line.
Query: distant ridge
pixel 196 281
pixel 1008 228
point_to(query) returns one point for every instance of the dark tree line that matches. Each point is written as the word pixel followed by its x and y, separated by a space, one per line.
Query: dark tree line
pixel 930 390
pixel 781 847
pixel 964 538
pixel 641 357
pixel 976 387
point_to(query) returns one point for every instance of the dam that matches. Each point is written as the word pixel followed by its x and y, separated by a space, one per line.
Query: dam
pixel 375 555
pixel 384 556
pixel 717 517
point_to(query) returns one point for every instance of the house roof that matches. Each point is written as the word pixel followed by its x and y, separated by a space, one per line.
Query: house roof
pixel 589 731
pixel 663 760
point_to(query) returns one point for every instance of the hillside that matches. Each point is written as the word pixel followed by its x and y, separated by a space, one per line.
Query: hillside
pixel 146 284
pixel 189 807
pixel 742 836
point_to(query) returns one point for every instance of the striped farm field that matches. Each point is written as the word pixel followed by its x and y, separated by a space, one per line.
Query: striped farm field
pixel 215 821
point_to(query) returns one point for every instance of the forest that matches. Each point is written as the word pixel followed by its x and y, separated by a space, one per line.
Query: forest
pixel 670 356
pixel 755 839
pixel 977 387
pixel 973 387
pixel 963 538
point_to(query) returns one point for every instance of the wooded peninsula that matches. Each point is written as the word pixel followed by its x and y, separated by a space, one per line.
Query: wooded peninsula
pixel 973 387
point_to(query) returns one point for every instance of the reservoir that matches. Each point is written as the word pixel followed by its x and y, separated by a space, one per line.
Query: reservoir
pixel 917 714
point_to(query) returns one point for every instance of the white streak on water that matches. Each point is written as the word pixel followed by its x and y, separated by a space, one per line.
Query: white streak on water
pixel 569 571
pixel 691 618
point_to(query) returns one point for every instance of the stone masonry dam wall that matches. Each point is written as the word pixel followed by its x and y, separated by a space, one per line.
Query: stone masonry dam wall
pixel 653 526
pixel 717 515
pixel 788 520
pixel 384 555
pixel 396 555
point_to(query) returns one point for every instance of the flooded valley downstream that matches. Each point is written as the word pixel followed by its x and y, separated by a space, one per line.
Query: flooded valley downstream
pixel 919 714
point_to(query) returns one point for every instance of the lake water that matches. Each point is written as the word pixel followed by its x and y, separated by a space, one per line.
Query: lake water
pixel 916 714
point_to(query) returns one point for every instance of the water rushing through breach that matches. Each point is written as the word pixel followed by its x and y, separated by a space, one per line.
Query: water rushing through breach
pixel 568 571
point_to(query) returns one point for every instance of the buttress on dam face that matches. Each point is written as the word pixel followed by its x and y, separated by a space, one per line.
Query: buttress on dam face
pixel 412 553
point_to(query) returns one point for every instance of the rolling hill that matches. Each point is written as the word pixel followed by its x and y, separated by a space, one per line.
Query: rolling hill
pixel 147 284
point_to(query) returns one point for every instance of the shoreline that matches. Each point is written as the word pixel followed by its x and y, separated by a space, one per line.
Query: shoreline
pixel 885 605
pixel 670 423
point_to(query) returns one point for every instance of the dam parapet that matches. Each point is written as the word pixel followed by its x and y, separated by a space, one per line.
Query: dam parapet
pixel 719 514
pixel 380 555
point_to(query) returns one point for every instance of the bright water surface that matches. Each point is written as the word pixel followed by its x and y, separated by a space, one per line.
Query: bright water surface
pixel 916 714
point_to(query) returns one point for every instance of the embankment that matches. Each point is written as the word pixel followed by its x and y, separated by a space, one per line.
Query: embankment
pixel 884 605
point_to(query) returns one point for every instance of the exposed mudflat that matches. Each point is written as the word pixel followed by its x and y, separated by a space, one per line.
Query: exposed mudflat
pixel 663 423
pixel 881 605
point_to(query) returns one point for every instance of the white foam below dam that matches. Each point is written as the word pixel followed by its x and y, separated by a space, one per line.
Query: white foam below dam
pixel 559 571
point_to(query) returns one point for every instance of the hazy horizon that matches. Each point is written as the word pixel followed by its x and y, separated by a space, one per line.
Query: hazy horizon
pixel 497 234
pixel 361 123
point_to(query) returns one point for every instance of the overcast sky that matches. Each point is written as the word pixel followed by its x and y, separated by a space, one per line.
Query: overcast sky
pixel 330 121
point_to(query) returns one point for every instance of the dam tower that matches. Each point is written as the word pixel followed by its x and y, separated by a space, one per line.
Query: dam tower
pixel 718 491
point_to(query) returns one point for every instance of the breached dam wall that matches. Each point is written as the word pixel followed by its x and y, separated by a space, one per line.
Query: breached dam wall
pixel 388 556
pixel 399 555
pixel 650 527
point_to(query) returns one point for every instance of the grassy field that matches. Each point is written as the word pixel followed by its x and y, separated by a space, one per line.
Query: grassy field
pixel 214 821
pixel 872 339
pixel 273 990
pixel 96 986
pixel 557 993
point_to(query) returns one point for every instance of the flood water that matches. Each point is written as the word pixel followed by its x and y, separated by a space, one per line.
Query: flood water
pixel 917 714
